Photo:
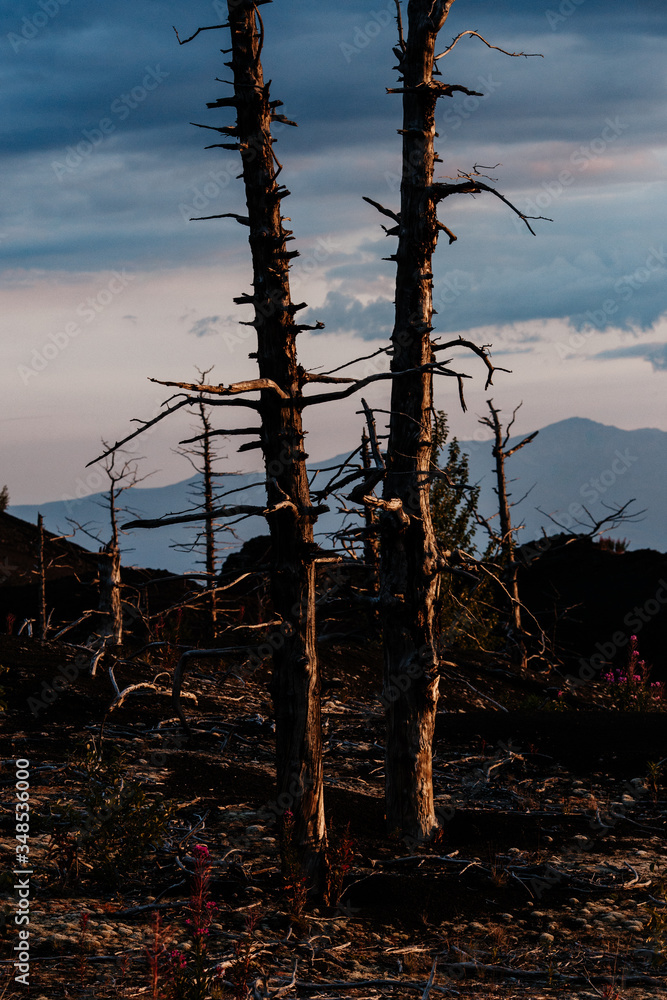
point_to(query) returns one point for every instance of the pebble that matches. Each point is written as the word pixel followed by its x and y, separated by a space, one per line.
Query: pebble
pixel 546 938
pixel 476 927
pixel 506 916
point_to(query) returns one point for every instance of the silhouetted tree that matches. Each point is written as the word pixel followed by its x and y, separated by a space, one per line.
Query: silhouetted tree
pixel 506 538
pixel 454 499
pixel 410 560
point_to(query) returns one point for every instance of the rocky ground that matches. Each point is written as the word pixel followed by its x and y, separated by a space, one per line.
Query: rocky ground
pixel 548 878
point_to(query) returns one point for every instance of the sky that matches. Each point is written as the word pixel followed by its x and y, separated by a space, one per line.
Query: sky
pixel 104 283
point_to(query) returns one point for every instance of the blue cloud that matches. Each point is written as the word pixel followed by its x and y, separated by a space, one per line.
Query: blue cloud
pixel 655 354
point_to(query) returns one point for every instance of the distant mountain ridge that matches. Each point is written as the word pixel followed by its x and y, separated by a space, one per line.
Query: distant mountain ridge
pixel 572 464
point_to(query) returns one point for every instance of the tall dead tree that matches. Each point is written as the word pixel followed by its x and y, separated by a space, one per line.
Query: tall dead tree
pixel 201 455
pixel 290 514
pixel 411 559
pixel 296 675
pixel 411 562
pixel 506 539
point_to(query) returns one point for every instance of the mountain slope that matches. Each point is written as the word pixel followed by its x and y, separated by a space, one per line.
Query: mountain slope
pixel 571 464
pixel 579 463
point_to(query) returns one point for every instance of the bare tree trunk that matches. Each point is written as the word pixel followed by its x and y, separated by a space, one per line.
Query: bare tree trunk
pixel 109 573
pixel 209 525
pixel 108 561
pixel 296 677
pixel 500 454
pixel 371 533
pixel 41 582
pixel 410 557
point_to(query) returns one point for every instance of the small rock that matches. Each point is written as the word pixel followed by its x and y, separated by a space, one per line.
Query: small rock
pixel 573 900
pixel 577 784
pixel 506 916
pixel 538 915
pixel 476 927
pixel 546 938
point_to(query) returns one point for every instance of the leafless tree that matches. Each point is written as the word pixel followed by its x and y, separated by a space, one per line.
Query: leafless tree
pixel 505 539
pixel 411 562
pixel 200 452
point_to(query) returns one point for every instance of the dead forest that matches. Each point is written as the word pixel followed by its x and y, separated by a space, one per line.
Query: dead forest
pixel 408 763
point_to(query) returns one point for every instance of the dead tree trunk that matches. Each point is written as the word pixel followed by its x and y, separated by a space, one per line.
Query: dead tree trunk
pixel 41 582
pixel 371 534
pixel 296 677
pixel 109 572
pixel 507 546
pixel 410 557
pixel 209 525
pixel 108 562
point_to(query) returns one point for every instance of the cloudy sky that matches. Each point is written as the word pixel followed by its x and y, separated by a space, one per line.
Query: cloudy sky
pixel 106 283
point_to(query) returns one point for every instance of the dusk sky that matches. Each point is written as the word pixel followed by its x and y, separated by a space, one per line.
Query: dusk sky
pixel 105 283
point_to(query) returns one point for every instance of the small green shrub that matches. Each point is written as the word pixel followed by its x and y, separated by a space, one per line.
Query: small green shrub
pixel 115 824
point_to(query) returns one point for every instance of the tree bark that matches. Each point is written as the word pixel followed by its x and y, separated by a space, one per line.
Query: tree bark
pixel 108 562
pixel 209 524
pixel 41 581
pixel 371 535
pixel 296 676
pixel 410 557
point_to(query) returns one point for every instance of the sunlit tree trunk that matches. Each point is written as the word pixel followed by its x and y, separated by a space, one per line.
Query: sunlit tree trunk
pixel 296 676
